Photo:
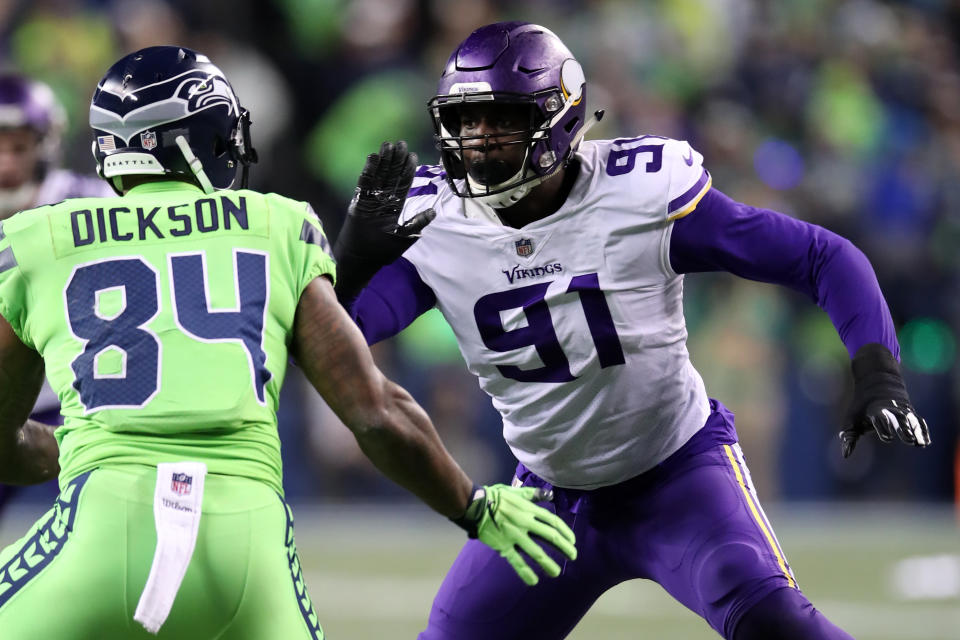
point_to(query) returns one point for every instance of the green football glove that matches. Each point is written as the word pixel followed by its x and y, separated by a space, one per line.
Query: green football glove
pixel 504 517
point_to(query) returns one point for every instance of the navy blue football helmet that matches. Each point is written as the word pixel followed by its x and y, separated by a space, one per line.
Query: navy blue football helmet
pixel 514 63
pixel 169 111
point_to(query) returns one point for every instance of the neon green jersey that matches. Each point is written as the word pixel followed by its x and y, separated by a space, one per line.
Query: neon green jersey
pixel 164 319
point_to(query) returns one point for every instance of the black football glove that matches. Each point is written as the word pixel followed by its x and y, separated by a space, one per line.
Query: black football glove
pixel 371 236
pixel 880 402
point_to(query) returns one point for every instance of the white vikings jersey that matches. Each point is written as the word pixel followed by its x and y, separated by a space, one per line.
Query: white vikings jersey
pixel 60 184
pixel 574 324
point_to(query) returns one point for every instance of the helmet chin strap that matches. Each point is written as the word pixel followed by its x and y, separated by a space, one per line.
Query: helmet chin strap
pixel 510 197
pixel 195 165
pixel 592 120
pixel 506 198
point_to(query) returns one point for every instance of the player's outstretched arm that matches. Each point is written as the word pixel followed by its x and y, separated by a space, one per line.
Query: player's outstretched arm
pixel 371 236
pixel 764 245
pixel 28 450
pixel 880 402
pixel 389 425
pixel 399 438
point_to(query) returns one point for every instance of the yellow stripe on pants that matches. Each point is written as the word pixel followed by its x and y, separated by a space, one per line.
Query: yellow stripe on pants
pixel 759 518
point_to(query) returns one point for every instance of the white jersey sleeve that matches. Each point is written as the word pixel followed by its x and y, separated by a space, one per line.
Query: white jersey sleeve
pixel 670 171
pixel 574 324
pixel 61 184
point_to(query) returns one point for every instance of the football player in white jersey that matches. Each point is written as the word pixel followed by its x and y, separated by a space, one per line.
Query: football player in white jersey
pixel 559 264
pixel 31 123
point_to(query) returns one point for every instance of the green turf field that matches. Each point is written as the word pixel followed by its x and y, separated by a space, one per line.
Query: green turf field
pixel 373 572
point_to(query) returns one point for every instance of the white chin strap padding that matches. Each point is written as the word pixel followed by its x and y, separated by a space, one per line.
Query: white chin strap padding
pixel 503 198
pixel 508 198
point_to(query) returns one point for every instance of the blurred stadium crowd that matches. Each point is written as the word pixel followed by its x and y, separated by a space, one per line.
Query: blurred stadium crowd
pixel 843 113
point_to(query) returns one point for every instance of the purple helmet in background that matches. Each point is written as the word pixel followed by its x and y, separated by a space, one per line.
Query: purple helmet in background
pixel 30 104
pixel 518 63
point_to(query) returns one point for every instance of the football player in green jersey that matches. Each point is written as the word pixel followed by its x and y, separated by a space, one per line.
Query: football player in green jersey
pixel 165 320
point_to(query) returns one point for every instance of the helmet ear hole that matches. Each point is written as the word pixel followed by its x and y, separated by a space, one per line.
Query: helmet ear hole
pixel 571 125
pixel 219 147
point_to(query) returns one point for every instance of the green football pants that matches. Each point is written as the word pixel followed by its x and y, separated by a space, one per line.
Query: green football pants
pixel 79 571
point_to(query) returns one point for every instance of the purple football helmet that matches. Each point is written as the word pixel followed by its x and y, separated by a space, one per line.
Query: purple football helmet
pixel 31 104
pixel 518 63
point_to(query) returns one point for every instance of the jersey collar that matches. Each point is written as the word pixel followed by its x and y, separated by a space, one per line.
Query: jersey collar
pixel 165 185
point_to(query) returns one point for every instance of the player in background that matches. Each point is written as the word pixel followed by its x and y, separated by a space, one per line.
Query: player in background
pixel 559 264
pixel 165 319
pixel 31 124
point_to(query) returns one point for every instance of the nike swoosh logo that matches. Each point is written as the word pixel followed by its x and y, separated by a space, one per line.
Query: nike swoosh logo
pixel 689 158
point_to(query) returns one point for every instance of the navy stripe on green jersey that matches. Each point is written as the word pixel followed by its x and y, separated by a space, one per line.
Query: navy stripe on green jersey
pixel 311 235
pixel 7 259
pixel 44 545
pixel 299 586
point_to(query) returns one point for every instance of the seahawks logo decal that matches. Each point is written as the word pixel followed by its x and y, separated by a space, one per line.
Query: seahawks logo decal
pixel 187 93
pixel 204 93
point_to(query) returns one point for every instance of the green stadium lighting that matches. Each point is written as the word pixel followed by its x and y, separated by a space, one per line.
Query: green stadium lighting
pixel 927 345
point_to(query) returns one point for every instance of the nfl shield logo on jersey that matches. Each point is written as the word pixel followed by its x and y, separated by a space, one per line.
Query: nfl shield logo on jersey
pixel 181 484
pixel 148 140
pixel 524 247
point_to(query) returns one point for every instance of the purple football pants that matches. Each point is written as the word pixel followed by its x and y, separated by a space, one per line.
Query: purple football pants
pixel 693 524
